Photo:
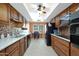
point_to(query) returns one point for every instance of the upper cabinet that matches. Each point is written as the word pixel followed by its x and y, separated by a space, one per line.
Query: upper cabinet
pixel 73 7
pixel 3 12
pixel 10 16
pixel 14 14
pixel 57 22
pixel 20 18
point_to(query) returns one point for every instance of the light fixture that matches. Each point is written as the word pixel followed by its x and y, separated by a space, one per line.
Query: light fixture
pixel 41 9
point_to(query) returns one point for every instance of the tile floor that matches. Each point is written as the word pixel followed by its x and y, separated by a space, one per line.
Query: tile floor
pixel 38 48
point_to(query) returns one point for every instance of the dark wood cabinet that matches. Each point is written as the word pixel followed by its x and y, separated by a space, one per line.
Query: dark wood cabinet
pixel 9 16
pixel 58 51
pixel 15 52
pixel 25 45
pixel 2 52
pixel 3 12
pixel 21 43
pixel 20 18
pixel 14 14
pixel 61 46
pixel 74 50
pixel 16 49
pixel 57 22
pixel 12 48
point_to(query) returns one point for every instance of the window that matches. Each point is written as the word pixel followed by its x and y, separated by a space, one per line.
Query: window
pixel 39 28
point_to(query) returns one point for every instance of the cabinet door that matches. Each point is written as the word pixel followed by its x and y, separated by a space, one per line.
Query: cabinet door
pixel 2 52
pixel 61 45
pixel 12 47
pixel 3 12
pixel 15 52
pixel 11 13
pixel 57 22
pixel 22 46
pixel 52 41
pixel 14 14
pixel 25 46
pixel 73 7
pixel 20 18
pixel 74 50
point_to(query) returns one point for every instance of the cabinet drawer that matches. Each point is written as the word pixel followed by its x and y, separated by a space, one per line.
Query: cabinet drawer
pixel 15 52
pixel 2 52
pixel 63 42
pixel 12 47
pixel 63 48
pixel 58 51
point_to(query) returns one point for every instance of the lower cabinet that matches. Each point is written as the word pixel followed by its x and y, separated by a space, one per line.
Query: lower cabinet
pixel 16 49
pixel 21 47
pixel 25 45
pixel 28 40
pixel 60 46
pixel 2 52
pixel 74 50
pixel 13 49
pixel 58 51
pixel 15 52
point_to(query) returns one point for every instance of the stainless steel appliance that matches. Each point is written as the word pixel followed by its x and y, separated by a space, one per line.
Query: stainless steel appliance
pixel 74 33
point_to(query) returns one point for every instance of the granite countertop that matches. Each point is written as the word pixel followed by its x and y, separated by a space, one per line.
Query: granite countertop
pixel 61 37
pixel 4 43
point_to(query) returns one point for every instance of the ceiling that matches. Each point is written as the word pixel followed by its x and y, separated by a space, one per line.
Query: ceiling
pixel 30 12
pixel 34 13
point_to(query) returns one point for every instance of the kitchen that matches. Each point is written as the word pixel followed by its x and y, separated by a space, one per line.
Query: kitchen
pixel 16 33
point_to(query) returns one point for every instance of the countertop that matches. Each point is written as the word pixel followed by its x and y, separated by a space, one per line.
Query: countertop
pixel 4 43
pixel 61 37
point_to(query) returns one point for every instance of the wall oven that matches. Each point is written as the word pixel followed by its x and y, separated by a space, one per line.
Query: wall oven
pixel 74 33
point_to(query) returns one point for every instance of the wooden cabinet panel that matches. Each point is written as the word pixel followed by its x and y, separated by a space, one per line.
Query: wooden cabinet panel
pixel 14 52
pixel 63 48
pixel 57 22
pixel 63 42
pixel 25 45
pixel 22 46
pixel 73 7
pixel 58 51
pixel 60 45
pixel 52 41
pixel 14 14
pixel 12 47
pixel 2 52
pixel 74 50
pixel 20 18
pixel 3 12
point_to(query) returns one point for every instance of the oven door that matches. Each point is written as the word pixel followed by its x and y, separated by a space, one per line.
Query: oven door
pixel 74 33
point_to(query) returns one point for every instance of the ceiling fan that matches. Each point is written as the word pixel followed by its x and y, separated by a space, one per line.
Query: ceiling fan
pixel 41 8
